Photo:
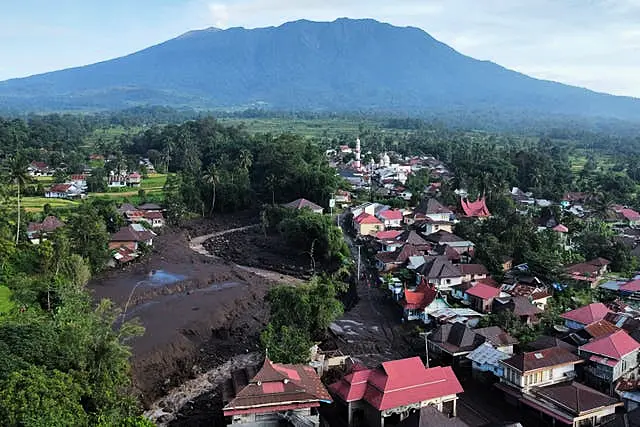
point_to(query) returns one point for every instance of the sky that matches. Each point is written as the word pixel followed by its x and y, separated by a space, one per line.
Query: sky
pixel 588 43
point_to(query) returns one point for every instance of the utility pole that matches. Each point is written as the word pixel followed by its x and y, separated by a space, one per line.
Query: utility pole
pixel 426 345
pixel 358 279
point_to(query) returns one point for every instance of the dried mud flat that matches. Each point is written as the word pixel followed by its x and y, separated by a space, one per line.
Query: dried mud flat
pixel 197 311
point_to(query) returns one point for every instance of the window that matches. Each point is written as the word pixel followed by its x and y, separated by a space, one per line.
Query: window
pixel 448 281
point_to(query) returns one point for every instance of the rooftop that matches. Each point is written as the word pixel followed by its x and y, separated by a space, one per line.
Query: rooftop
pixel 575 397
pixel 483 291
pixel 587 314
pixel 391 214
pixel 302 203
pixel 614 346
pixel 365 218
pixel 399 383
pixel 540 359
pixel 278 387
pixel 496 336
pixel 487 354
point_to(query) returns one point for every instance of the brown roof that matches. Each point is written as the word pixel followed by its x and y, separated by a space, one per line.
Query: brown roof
pixel 48 225
pixel 496 336
pixel 456 338
pixel 575 397
pixel 443 236
pixel 438 267
pixel 302 203
pixel 473 269
pixel 398 256
pixel 153 215
pixel 520 306
pixel 412 237
pixel 545 341
pixel 150 207
pixel 278 387
pixel 534 360
pixel 600 328
pixel 128 234
pixel 432 206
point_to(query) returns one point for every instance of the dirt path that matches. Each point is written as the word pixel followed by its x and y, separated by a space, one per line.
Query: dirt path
pixel 196 243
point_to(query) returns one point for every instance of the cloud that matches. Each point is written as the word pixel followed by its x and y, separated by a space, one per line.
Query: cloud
pixel 220 14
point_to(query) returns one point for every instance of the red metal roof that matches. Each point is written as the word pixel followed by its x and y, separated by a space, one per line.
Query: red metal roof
pixel 388 234
pixel 630 214
pixel 587 314
pixel 420 298
pixel 391 214
pixel 402 382
pixel 477 209
pixel 483 291
pixel 560 228
pixel 632 286
pixel 365 218
pixel 614 346
pixel 278 388
pixel 60 188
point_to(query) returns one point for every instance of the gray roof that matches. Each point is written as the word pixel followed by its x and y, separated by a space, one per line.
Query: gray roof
pixel 486 354
pixel 438 267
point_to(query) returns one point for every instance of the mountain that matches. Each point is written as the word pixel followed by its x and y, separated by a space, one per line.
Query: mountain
pixel 356 65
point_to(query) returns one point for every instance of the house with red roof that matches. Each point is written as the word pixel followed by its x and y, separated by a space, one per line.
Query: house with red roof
pixel 477 209
pixel 63 191
pixel 481 297
pixel 39 169
pixel 391 218
pixel 390 261
pixel 610 358
pixel 580 317
pixel 277 395
pixel 389 393
pixel 367 225
pixel 627 215
pixel 415 302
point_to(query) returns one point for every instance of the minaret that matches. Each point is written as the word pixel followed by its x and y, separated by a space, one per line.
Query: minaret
pixel 357 164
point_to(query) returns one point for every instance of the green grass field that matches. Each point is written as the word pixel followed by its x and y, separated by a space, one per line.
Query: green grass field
pixel 5 300
pixel 36 204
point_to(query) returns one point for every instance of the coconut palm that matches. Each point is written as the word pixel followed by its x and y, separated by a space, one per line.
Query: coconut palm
pixel 211 176
pixel 270 182
pixel 246 159
pixel 17 175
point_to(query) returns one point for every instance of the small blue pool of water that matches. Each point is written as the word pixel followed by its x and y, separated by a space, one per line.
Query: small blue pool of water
pixel 162 278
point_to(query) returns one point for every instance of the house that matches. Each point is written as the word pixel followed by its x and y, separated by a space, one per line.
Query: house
pixel 63 191
pixel 79 181
pixel 573 198
pixel 387 240
pixel 343 198
pixel 151 207
pixel 37 231
pixel 415 302
pixel 389 393
pixel 452 342
pixel 432 210
pixel 126 207
pixel 498 338
pixel 117 181
pixel 439 271
pixel 537 294
pixel 367 224
pixel 590 272
pixel 460 245
pixel 121 256
pixel 477 209
pixel 481 297
pixel 507 263
pixel 539 368
pixel 391 218
pixel 429 416
pixel 545 341
pixel 134 179
pixel 583 316
pixel 629 216
pixel 154 218
pixel 485 359
pixel 521 307
pixel 278 394
pixel 430 226
pixel 610 358
pixel 131 237
pixel 471 272
pixel 389 261
pixel 414 238
pixel 521 197
pixel 450 315
pixel 567 404
pixel 304 203
pixel 39 169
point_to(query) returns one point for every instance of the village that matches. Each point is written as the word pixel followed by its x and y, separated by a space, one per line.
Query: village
pixel 577 369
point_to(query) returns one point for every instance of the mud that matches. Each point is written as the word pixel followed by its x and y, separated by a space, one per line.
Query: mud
pixel 197 311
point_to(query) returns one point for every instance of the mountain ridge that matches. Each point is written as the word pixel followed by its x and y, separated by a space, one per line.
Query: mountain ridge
pixel 343 65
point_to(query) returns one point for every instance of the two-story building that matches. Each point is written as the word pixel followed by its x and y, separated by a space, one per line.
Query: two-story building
pixel 391 218
pixel 539 368
pixel 610 358
pixel 439 271
pixel 366 224
pixel 481 297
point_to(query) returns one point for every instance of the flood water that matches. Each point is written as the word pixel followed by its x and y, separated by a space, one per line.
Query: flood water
pixel 161 278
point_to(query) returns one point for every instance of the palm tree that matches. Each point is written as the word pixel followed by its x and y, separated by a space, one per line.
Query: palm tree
pixel 17 173
pixel 270 182
pixel 246 159
pixel 212 177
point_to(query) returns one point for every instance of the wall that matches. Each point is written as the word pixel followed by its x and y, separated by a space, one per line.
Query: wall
pixel 130 245
pixel 537 378
pixel 371 229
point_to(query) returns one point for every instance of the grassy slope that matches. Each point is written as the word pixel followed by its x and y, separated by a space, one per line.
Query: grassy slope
pixel 5 300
